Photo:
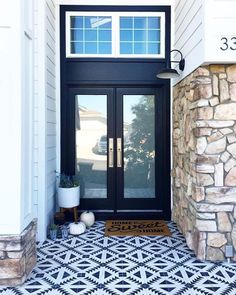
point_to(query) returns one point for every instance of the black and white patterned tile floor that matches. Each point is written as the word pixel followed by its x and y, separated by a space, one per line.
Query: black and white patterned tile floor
pixel 92 264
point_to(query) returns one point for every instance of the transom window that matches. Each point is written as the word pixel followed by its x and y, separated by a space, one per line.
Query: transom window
pixel 116 34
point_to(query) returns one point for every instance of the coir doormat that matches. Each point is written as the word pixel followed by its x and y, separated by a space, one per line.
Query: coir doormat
pixel 136 228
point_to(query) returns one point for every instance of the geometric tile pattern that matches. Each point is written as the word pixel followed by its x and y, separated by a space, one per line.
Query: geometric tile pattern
pixel 92 264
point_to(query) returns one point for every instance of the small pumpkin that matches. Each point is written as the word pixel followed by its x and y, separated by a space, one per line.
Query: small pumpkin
pixel 77 228
pixel 87 218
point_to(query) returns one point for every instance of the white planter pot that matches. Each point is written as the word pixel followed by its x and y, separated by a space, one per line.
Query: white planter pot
pixel 68 197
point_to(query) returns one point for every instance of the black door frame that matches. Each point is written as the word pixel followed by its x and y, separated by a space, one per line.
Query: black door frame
pixel 135 203
pixel 120 72
pixel 109 202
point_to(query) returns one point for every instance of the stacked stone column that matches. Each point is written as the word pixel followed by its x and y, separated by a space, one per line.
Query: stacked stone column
pixel 17 256
pixel 204 160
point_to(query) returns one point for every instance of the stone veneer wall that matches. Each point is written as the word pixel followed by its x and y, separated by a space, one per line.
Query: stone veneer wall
pixel 17 256
pixel 204 160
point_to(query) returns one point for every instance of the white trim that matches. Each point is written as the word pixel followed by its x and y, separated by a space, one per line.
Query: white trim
pixel 42 187
pixel 58 92
pixel 115 15
pixel 27 157
pixel 117 3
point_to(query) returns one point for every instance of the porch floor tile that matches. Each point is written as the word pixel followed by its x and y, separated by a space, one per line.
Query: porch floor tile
pixel 92 264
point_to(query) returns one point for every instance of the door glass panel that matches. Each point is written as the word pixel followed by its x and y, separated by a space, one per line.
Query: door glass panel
pixel 139 146
pixel 91 145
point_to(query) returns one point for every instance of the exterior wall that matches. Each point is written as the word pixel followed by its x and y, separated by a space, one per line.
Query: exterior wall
pixel 50 106
pixel 114 2
pixel 189 34
pixel 204 160
pixel 16 59
pixel 200 26
pixel 36 117
pixel 219 19
pixel 45 110
pixel 10 130
pixel 17 230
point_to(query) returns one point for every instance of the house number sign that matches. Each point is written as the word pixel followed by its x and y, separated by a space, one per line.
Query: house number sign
pixel 228 43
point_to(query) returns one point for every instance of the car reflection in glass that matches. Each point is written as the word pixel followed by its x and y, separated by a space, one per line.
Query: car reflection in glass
pixel 102 145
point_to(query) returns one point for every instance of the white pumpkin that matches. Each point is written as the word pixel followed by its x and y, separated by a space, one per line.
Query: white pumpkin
pixel 87 218
pixel 77 228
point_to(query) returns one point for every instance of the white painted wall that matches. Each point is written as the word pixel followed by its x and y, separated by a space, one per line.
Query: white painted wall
pixel 51 105
pixel 45 124
pixel 189 34
pixel 115 2
pixel 199 27
pixel 16 116
pixel 220 22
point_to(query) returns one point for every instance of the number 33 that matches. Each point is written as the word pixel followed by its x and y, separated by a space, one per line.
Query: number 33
pixel 228 44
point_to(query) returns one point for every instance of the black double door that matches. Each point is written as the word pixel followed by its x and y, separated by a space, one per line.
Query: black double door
pixel 118 144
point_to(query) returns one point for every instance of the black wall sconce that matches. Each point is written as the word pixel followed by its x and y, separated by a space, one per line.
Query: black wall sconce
pixel 169 73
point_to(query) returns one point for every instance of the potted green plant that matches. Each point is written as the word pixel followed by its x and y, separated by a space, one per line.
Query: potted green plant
pixel 68 191
pixel 53 231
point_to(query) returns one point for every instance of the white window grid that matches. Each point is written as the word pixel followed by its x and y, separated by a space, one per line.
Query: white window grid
pixel 133 42
pixel 115 31
pixel 87 42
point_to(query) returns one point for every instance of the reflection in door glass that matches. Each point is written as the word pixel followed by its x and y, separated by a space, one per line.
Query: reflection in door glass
pixel 91 145
pixel 139 146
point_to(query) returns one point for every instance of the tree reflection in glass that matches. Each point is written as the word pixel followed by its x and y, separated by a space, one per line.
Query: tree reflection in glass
pixel 139 146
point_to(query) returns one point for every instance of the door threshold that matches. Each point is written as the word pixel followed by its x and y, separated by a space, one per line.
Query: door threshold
pixel 102 216
pixel 139 211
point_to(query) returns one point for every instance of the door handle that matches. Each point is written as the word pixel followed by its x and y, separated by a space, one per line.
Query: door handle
pixel 111 152
pixel 119 152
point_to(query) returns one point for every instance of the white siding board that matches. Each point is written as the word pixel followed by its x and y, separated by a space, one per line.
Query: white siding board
pixel 51 68
pixel 51 25
pixel 50 79
pixel 187 28
pixel 50 49
pixel 51 103
pixel 51 140
pixel 51 176
pixel 51 128
pixel 51 116
pixel 50 111
pixel 51 8
pixel 177 7
pixel 50 204
pixel 50 13
pixel 182 12
pixel 51 92
pixel 51 63
pixel 194 29
pixel 50 32
pixel 51 154
pixel 45 83
pixel 189 37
